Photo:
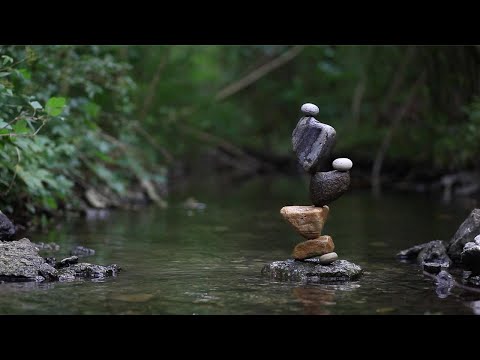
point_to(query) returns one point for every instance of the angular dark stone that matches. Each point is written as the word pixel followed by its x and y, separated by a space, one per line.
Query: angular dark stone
pixel 465 233
pixel 82 251
pixel 428 253
pixel 67 262
pixel 471 257
pixel 7 229
pixel 313 143
pixel 434 252
pixel 435 268
pixel 411 253
pixel 311 270
pixel 326 187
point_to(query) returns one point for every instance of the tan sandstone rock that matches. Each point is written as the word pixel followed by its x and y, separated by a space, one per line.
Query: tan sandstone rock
pixel 316 247
pixel 307 220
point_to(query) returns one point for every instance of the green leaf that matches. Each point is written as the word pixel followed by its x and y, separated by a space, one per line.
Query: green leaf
pixel 55 106
pixel 49 203
pixel 36 105
pixel 25 73
pixel 4 125
pixel 6 59
pixel 4 73
pixel 20 127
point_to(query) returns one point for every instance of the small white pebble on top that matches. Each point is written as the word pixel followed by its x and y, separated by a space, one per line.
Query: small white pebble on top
pixel 310 109
pixel 342 164
pixel 477 239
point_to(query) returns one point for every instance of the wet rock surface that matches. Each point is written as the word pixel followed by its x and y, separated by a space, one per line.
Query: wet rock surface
pixel 311 270
pixel 7 229
pixel 471 256
pixel 467 231
pixel 326 187
pixel 19 261
pixel 313 142
pixel 86 270
pixel 428 253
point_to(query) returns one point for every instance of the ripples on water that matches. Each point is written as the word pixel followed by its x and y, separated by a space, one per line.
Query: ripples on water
pixel 209 261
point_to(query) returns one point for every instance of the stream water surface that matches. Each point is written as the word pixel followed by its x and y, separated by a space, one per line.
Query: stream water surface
pixel 179 261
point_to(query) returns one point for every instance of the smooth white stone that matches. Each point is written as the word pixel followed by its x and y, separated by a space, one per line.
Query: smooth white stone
pixel 342 164
pixel 477 239
pixel 328 258
pixel 310 109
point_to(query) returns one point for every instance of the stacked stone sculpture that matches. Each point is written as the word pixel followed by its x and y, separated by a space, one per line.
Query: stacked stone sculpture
pixel 314 258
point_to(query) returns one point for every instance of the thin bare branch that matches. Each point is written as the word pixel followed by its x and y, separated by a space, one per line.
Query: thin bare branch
pixel 258 73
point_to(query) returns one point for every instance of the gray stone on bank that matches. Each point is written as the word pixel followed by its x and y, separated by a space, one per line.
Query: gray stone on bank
pixel 466 233
pixel 82 251
pixel 311 270
pixel 326 187
pixel 428 253
pixel 7 229
pixel 313 142
pixel 19 261
pixel 86 270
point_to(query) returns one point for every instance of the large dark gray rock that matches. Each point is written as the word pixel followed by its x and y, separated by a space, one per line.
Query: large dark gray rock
pixel 471 256
pixel 433 252
pixel 326 187
pixel 311 270
pixel 313 143
pixel 7 229
pixel 465 233
pixel 19 261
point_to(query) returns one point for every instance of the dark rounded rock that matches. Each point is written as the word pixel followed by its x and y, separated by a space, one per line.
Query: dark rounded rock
pixel 311 270
pixel 7 229
pixel 326 187
pixel 471 257
pixel 435 268
pixel 313 143
pixel 467 232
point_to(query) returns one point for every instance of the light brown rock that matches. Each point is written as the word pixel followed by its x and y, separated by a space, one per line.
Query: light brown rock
pixel 316 247
pixel 307 220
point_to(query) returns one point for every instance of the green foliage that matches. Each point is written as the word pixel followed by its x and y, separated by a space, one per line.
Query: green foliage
pixel 63 116
pixel 73 117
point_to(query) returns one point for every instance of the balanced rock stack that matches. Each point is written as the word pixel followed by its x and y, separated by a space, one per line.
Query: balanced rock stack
pixel 315 258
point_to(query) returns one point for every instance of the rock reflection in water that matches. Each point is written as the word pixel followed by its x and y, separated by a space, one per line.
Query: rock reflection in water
pixel 317 299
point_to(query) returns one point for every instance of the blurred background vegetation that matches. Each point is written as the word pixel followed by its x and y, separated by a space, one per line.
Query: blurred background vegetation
pixel 119 118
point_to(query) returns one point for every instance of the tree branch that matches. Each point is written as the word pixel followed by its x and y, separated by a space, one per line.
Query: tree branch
pixel 258 73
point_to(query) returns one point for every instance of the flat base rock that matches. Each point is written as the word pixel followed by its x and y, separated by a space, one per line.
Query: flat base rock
pixel 311 270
